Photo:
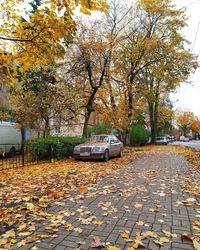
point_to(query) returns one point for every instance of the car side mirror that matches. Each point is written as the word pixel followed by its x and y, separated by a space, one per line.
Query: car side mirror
pixel 112 142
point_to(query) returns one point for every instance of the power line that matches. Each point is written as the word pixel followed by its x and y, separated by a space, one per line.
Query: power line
pixel 192 3
pixel 195 37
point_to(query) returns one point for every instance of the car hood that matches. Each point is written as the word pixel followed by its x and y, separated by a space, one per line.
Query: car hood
pixel 93 144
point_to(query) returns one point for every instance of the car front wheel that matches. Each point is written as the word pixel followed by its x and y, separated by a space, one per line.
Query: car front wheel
pixel 120 153
pixel 106 155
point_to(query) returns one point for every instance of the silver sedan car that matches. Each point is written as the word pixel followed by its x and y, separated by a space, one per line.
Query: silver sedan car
pixel 99 147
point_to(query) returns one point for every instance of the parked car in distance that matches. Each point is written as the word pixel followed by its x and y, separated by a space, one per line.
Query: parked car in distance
pixel 10 139
pixel 170 139
pixel 184 139
pixel 99 147
pixel 161 140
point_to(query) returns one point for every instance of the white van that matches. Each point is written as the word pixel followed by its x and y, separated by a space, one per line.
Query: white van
pixel 161 140
pixel 10 139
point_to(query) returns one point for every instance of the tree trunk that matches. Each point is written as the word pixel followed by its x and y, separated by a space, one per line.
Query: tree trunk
pixel 109 82
pixel 23 135
pixel 86 122
pixel 47 128
pixel 153 120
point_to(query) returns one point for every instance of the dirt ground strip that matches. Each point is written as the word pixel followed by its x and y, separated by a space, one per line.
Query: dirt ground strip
pixel 152 202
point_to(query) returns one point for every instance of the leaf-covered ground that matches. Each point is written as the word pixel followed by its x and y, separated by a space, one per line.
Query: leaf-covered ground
pixel 28 194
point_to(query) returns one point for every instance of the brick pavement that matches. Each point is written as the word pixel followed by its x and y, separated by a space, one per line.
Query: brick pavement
pixel 144 196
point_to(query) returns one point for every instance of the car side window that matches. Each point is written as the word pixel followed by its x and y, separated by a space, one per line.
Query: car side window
pixel 105 139
pixel 116 139
pixel 112 140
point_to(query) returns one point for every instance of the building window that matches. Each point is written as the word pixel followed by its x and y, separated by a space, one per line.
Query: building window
pixel 57 130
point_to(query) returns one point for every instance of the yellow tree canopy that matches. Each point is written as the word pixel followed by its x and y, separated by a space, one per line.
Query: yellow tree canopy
pixel 39 38
pixel 196 125
pixel 184 120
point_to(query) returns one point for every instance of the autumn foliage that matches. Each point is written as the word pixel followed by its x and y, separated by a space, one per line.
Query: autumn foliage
pixel 120 70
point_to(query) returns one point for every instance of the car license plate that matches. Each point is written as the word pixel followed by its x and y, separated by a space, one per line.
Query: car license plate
pixel 85 154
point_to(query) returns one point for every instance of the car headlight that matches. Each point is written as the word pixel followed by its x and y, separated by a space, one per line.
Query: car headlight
pixel 77 150
pixel 97 149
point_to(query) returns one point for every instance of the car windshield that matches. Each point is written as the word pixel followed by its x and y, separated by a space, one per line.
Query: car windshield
pixel 160 138
pixel 99 138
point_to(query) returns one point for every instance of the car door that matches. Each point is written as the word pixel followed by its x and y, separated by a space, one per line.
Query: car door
pixel 114 146
pixel 118 145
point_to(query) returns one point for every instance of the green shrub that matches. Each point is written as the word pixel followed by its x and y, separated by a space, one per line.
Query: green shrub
pixel 98 129
pixel 139 136
pixel 58 146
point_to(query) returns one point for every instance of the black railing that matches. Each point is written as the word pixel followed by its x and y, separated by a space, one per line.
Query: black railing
pixel 15 155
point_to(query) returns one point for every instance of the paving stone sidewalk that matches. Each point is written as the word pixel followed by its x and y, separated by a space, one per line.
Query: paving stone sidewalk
pixel 144 196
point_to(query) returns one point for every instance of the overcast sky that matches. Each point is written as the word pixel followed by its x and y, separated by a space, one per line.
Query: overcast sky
pixel 188 96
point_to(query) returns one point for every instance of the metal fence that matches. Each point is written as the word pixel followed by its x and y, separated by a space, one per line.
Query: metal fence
pixel 15 155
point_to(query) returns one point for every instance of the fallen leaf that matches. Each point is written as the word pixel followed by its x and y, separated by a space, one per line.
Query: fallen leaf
pixel 97 242
pixel 187 236
pixel 78 229
pixel 126 236
pixel 113 248
pixel 150 234
pixel 140 223
pixel 68 226
pixel 196 244
pixel 30 206
pixel 82 190
pixel 138 205
pixel 168 234
pixel 58 203
pixel 98 222
pixel 153 209
pixel 3 241
pixel 9 234
pixel 34 248
pixel 22 227
pixel 161 241
pixel 82 242
pixel 21 243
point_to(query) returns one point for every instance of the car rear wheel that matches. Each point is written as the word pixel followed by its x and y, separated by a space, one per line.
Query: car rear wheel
pixel 106 155
pixel 12 152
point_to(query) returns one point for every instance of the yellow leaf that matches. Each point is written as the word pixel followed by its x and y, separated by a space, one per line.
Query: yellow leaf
pixel 150 234
pixel 113 248
pixel 3 241
pixel 140 223
pixel 138 205
pixel 22 227
pixel 196 244
pixel 24 234
pixel 30 206
pixel 31 228
pixel 168 234
pixel 21 243
pixel 153 210
pixel 126 236
pixel 9 234
pixel 98 222
pixel 161 241
pixel 197 223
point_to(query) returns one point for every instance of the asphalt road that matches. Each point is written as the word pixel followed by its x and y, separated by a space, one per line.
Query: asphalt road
pixel 192 144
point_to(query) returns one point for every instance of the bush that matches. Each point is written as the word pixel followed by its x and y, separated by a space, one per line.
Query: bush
pixel 98 129
pixel 139 136
pixel 58 146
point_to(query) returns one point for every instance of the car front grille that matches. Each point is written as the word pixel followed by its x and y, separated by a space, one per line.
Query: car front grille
pixel 85 150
